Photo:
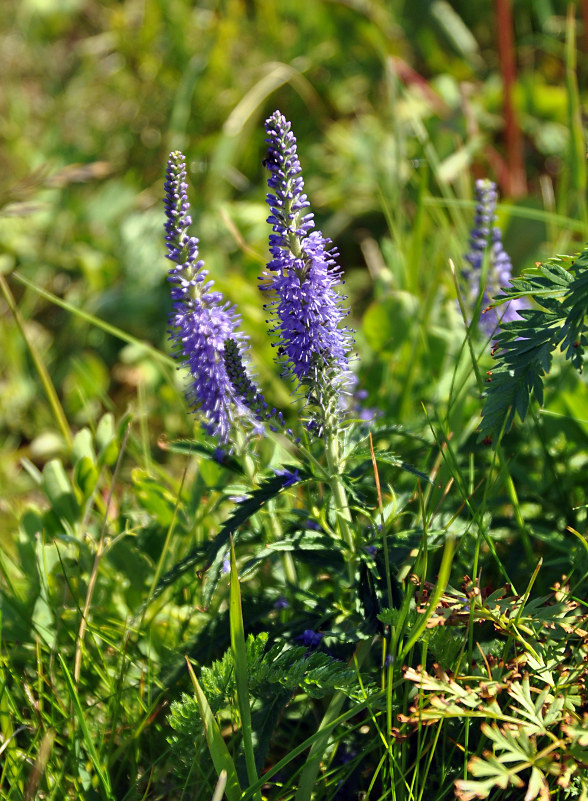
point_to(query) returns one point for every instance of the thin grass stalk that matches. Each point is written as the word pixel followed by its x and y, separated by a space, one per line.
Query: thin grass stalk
pixel 104 779
pixel 90 318
pixel 52 396
pixel 9 757
pixel 305 745
pixel 442 582
pixel 313 762
pixel 165 548
pixel 38 770
pixel 219 790
pixel 219 752
pixel 584 7
pixel 97 560
pixel 577 149
pixel 241 670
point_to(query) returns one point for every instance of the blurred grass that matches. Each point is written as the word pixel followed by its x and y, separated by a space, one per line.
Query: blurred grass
pixel 394 103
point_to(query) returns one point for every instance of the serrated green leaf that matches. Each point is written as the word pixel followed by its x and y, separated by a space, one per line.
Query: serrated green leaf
pixel 307 544
pixel 524 347
pixel 189 447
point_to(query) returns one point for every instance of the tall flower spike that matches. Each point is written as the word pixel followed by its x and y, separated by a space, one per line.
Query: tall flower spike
pixel 245 389
pixel 302 276
pixel 484 235
pixel 201 321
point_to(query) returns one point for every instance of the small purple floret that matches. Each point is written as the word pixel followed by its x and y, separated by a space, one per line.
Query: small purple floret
pixel 289 477
pixel 311 639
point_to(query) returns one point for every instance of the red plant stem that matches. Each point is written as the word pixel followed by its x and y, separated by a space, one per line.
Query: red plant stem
pixel 514 141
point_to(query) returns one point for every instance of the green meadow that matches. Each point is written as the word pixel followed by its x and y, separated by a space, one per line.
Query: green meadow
pixel 369 593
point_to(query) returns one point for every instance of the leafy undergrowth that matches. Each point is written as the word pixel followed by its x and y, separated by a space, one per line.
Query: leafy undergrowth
pixel 525 698
pixel 276 619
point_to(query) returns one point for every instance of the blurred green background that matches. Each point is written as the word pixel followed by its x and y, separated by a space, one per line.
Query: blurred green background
pixel 398 106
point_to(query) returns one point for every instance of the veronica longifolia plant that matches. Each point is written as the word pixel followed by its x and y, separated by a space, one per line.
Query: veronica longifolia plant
pixel 485 237
pixel 202 323
pixel 302 277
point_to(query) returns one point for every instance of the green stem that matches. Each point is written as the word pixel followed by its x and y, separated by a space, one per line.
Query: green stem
pixel 311 769
pixel 344 519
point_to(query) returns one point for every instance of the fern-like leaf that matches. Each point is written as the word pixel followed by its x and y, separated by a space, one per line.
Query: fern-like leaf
pixel 524 348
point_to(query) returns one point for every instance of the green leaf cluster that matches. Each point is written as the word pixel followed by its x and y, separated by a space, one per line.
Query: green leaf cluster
pixel 276 675
pixel 524 347
pixel 533 731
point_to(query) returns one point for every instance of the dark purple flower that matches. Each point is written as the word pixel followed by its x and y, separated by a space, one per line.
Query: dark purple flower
pixel 289 477
pixel 201 321
pixel 311 639
pixel 486 236
pixel 281 603
pixel 302 277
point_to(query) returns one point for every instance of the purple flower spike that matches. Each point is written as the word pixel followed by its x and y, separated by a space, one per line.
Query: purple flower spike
pixel 201 321
pixel 302 276
pixel 485 235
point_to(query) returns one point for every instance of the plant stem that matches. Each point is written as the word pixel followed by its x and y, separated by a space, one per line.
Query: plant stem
pixel 344 519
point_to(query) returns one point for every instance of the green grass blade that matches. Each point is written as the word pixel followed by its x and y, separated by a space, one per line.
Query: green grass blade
pixel 91 748
pixel 441 584
pixel 313 761
pixel 308 743
pixel 52 396
pixel 241 669
pixel 216 745
pixel 90 318
pixel 577 149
